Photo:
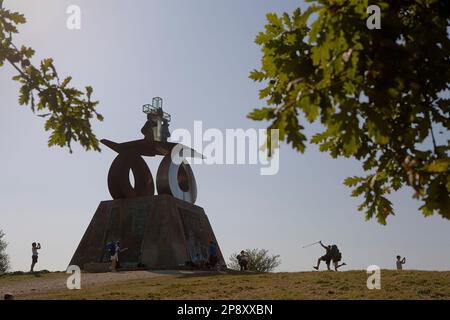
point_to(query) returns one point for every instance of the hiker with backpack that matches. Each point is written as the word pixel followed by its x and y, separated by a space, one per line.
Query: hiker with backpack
pixel 336 256
pixel 332 254
pixel 326 257
pixel 114 250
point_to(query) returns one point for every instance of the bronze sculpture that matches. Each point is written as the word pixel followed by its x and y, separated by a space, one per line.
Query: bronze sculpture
pixel 174 179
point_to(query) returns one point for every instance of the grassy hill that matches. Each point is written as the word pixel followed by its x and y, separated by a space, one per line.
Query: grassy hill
pixel 175 285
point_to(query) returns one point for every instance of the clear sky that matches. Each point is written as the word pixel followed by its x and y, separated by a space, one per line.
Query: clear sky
pixel 196 55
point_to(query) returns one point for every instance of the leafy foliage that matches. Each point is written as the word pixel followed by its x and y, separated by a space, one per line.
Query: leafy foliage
pixel 377 93
pixel 67 109
pixel 4 259
pixel 259 260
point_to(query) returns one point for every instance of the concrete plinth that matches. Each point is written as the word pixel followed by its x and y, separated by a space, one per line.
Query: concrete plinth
pixel 160 232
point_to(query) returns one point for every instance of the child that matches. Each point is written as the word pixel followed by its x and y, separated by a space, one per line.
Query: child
pixel 34 256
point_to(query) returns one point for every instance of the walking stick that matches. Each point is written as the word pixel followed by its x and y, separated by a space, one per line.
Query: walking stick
pixel 311 244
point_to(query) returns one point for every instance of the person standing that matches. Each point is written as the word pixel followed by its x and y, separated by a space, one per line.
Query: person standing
pixel 112 248
pixel 400 262
pixel 114 252
pixel 34 255
pixel 243 260
pixel 212 255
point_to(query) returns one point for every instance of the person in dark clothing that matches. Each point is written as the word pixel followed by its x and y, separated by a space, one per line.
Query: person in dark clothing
pixel 400 262
pixel 336 256
pixel 332 255
pixel 326 257
pixel 243 260
pixel 212 255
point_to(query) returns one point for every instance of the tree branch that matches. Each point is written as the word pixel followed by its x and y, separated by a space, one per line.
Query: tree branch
pixel 432 133
pixel 23 74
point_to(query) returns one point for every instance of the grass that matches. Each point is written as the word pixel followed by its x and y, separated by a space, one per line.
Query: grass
pixel 301 285
pixel 18 276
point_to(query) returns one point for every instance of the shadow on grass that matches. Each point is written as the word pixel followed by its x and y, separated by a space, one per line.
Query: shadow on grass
pixel 228 272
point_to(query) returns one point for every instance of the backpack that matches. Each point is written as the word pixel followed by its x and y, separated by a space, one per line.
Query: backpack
pixel 335 253
pixel 111 247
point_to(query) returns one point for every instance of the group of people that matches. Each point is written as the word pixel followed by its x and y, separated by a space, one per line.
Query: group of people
pixel 114 250
pixel 213 259
pixel 211 262
pixel 333 255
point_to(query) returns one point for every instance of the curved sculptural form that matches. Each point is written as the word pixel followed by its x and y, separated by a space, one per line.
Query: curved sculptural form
pixel 173 179
pixel 119 184
pixel 177 180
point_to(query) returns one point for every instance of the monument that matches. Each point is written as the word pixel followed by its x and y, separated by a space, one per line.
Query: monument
pixel 164 231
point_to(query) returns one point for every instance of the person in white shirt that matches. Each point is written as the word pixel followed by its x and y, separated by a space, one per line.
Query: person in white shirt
pixel 34 255
pixel 115 256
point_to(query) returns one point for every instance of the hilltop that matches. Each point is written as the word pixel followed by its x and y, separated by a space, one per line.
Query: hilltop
pixel 232 285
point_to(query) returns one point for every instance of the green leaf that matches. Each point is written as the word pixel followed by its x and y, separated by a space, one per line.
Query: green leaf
pixel 438 166
pixel 66 82
pixel 17 18
pixel 262 114
pixel 257 75
pixel 353 181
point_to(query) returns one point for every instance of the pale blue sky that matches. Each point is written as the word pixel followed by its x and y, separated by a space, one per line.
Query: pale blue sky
pixel 196 55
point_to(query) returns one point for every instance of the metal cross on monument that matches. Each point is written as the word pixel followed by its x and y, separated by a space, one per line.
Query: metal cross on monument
pixel 157 126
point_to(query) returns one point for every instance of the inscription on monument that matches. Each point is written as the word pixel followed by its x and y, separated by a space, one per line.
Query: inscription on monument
pixel 139 214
